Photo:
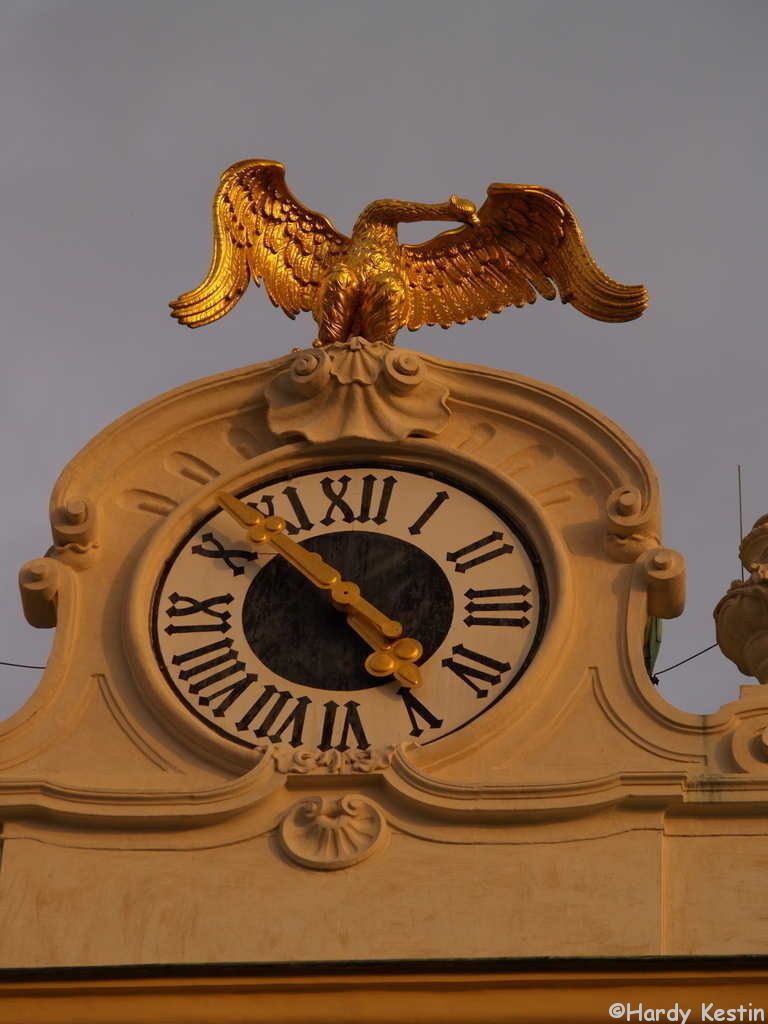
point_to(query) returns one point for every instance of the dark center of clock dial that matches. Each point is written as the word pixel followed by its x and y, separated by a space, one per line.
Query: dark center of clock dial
pixel 295 631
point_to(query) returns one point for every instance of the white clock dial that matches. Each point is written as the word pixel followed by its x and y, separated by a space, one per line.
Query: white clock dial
pixel 259 654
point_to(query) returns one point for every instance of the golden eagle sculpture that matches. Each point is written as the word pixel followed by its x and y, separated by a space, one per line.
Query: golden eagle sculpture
pixel 523 241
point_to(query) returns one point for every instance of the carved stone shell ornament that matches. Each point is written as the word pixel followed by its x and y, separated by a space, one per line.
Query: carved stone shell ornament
pixel 356 389
pixel 328 834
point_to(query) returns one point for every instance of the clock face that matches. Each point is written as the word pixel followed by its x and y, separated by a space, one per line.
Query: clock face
pixel 260 654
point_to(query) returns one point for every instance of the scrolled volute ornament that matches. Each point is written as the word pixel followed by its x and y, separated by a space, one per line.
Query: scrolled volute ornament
pixel 631 529
pixel 309 373
pixel 403 371
pixel 356 389
pixel 75 532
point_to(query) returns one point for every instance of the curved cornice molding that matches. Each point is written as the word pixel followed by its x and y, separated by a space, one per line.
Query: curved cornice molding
pixel 590 501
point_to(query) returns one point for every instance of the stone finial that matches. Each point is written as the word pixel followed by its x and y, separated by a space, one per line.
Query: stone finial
pixel 741 617
pixel 356 389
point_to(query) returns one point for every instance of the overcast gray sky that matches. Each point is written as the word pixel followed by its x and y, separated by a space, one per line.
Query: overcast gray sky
pixel 648 117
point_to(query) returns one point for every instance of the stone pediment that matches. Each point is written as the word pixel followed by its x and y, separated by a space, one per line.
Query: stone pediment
pixel 578 482
pixel 581 747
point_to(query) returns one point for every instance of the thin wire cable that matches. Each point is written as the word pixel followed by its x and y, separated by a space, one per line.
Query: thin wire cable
pixel 741 521
pixel 16 664
pixel 679 663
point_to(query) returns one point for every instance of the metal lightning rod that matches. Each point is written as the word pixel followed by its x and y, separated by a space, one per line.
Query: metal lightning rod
pixel 741 520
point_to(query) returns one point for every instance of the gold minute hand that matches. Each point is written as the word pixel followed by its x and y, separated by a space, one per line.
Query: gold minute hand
pixel 393 654
pixel 269 528
pixel 344 595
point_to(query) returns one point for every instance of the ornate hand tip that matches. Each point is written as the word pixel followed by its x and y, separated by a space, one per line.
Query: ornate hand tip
pixel 409 675
pixel 246 515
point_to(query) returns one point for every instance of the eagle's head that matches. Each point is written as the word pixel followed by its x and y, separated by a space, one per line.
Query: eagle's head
pixel 464 209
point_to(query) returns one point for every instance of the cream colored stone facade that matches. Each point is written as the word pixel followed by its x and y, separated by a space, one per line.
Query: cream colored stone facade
pixel 581 816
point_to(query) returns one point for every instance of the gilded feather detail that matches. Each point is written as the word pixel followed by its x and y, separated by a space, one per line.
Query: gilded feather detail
pixel 523 242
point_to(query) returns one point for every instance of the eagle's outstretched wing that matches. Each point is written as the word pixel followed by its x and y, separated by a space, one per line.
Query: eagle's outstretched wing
pixel 260 230
pixel 526 239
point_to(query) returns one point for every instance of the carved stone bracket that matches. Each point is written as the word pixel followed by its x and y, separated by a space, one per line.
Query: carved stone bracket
pixel 328 834
pixel 664 573
pixel 39 586
pixel 356 389
pixel 302 760
pixel 629 525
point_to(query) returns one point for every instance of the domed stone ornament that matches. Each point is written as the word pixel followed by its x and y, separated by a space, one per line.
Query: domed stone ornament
pixel 328 834
pixel 741 617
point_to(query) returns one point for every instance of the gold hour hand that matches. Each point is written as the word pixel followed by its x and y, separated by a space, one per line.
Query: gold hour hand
pixel 389 657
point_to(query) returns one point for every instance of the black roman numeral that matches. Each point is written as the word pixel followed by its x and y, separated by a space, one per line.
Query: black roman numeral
pixel 468 673
pixel 266 505
pixel 418 525
pixel 269 727
pixel 302 519
pixel 214 663
pixel 486 556
pixel 232 691
pixel 337 499
pixel 414 707
pixel 182 606
pixel 229 556
pixel 351 724
pixel 335 491
pixel 482 601
pixel 223 654
pixel 369 483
